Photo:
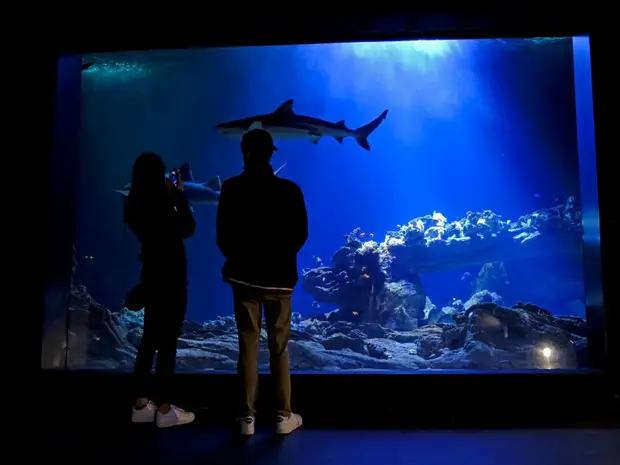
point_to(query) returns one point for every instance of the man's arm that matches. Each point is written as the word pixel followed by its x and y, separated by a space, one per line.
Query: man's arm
pixel 223 222
pixel 300 217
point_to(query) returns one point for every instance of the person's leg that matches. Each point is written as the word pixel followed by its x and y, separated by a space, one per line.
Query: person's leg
pixel 278 318
pixel 175 301
pixel 144 410
pixel 247 306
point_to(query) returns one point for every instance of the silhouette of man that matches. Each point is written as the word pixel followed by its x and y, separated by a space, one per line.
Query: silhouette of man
pixel 261 226
pixel 160 217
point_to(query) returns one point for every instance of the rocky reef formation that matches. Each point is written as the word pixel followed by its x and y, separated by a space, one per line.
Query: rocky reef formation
pixel 385 320
pixel 380 282
pixel 478 334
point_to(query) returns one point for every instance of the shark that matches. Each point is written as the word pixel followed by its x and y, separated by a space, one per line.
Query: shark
pixel 284 123
pixel 196 193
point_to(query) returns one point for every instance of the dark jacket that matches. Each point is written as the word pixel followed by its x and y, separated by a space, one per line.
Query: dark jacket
pixel 261 226
pixel 161 228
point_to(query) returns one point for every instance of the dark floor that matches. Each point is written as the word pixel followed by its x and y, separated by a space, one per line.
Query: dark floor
pixel 349 420
pixel 196 444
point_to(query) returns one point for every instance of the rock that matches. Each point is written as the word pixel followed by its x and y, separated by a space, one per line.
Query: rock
pixel 572 324
pixel 95 333
pixel 443 315
pixel 402 304
pixel 492 277
pixel 380 282
pixel 486 336
pixel 340 342
pixel 483 297
pixel 358 334
pixel 373 330
pixel 197 359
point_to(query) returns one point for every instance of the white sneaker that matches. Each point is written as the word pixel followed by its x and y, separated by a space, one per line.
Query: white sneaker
pixel 145 414
pixel 288 425
pixel 175 416
pixel 246 425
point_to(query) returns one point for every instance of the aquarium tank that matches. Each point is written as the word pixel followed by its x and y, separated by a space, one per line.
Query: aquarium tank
pixel 444 181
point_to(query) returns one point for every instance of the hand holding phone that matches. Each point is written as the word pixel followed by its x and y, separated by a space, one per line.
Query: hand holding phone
pixel 175 179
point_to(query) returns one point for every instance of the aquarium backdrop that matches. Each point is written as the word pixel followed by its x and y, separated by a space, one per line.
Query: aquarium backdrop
pixel 443 181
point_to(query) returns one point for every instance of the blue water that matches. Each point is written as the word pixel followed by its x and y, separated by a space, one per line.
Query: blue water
pixel 472 126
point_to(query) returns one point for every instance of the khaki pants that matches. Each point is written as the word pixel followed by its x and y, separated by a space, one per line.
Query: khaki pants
pixel 248 303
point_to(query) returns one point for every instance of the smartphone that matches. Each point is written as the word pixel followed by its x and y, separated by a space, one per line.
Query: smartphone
pixel 174 178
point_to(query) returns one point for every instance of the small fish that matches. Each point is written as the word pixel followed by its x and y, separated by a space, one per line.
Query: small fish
pixel 356 314
pixel 85 66
pixel 365 276
pixel 362 234
pixel 315 304
pixel 364 268
pixel 371 235
pixel 318 260
pixel 465 276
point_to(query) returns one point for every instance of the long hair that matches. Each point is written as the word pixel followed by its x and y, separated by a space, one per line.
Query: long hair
pixel 148 182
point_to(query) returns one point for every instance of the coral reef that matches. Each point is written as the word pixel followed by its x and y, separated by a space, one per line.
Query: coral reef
pixel 375 280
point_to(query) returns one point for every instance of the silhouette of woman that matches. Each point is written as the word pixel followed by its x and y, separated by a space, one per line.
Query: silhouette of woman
pixel 160 217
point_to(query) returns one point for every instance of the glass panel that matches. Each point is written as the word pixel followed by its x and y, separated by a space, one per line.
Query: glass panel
pixel 444 180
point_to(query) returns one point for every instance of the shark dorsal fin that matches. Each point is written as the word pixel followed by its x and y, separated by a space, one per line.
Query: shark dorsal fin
pixel 286 107
pixel 214 184
pixel 341 124
pixel 255 125
pixel 185 171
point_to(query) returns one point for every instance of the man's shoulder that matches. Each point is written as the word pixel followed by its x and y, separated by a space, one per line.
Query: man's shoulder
pixel 276 183
pixel 287 184
pixel 231 182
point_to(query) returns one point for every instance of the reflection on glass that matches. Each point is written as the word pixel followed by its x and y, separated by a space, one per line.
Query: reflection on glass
pixel 442 183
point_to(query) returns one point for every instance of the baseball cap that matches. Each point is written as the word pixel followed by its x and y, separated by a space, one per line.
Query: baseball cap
pixel 258 139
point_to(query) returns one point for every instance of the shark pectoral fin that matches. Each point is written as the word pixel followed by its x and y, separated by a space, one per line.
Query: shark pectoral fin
pixel 339 139
pixel 341 124
pixel 286 107
pixel 214 184
pixel 255 125
pixel 314 137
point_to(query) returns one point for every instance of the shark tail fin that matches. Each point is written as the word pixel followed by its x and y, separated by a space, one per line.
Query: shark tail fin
pixel 362 134
pixel 185 171
pixel 279 169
